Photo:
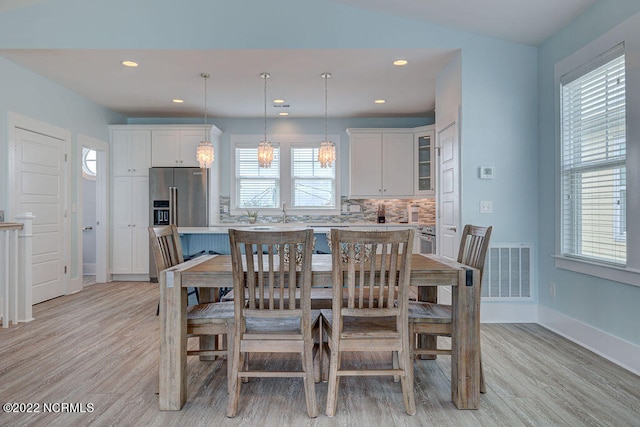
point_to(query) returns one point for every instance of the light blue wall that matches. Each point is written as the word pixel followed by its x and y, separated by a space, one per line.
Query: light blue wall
pixel 609 306
pixel 499 80
pixel 30 95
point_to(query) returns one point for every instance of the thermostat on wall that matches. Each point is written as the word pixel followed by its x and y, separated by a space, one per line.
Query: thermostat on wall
pixel 487 172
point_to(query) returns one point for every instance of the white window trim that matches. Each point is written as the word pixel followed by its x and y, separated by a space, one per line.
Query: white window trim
pixel 629 274
pixel 284 141
pixel 85 172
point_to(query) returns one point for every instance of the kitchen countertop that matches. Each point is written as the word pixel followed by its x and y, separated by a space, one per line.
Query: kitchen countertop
pixel 320 227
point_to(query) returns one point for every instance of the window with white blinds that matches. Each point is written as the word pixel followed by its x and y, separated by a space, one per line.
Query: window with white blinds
pixel 593 162
pixel 295 178
pixel 256 187
pixel 312 186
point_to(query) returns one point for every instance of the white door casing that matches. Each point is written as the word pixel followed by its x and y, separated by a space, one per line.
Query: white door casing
pixel 101 226
pixel 38 183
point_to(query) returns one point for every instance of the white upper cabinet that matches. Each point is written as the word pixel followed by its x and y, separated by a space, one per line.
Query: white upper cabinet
pixel 381 163
pixel 130 152
pixel 424 157
pixel 176 147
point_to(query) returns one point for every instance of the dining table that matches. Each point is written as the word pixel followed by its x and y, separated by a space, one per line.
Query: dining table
pixel 215 271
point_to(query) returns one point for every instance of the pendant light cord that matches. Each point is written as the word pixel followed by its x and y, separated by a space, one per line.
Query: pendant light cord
pixel 265 76
pixel 205 76
pixel 326 133
pixel 326 77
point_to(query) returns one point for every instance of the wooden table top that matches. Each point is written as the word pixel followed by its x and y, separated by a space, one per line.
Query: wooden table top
pixel 215 271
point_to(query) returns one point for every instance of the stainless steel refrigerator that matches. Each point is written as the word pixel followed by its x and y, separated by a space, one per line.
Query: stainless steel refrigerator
pixel 177 196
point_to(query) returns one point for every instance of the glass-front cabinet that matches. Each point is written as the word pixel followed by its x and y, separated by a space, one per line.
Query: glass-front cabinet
pixel 425 161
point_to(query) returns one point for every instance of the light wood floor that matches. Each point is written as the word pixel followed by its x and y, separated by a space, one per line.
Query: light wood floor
pixel 99 346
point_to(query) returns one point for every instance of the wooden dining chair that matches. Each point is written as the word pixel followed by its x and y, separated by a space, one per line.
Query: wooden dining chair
pixel 369 309
pixel 272 307
pixel 203 320
pixel 435 319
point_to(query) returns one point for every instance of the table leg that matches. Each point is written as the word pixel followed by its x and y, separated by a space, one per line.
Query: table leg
pixel 428 294
pixel 465 342
pixel 173 342
pixel 208 342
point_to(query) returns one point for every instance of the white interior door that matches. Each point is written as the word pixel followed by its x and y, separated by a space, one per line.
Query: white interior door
pixel 448 188
pixel 40 189
pixel 448 195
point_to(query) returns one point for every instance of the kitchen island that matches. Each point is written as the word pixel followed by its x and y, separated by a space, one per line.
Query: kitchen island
pixel 215 239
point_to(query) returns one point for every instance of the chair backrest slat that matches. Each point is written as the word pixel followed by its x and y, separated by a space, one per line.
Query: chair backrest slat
pixel 474 244
pixel 166 246
pixel 372 283
pixel 267 281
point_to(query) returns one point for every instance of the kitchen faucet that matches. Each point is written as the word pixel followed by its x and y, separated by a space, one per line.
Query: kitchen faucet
pixel 284 213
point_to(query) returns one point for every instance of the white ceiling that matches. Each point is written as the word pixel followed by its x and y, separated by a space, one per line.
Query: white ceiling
pixel 236 89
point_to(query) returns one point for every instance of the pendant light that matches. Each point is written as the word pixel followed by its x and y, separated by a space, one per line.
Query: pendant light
pixel 265 149
pixel 205 152
pixel 327 151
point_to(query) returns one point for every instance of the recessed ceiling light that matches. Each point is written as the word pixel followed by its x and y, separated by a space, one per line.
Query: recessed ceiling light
pixel 129 63
pixel 278 101
pixel 400 62
pixel 380 101
pixel 283 114
pixel 177 101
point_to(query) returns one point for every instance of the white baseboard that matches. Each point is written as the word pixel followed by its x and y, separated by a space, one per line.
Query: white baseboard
pixel 130 277
pixel 508 312
pixel 89 268
pixel 617 350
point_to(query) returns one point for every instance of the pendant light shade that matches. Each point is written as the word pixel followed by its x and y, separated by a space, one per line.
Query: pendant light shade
pixel 327 151
pixel 205 151
pixel 265 149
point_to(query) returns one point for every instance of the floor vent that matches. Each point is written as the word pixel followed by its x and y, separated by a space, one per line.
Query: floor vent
pixel 507 273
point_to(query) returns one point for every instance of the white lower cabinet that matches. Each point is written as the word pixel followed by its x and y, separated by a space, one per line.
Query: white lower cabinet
pixel 130 245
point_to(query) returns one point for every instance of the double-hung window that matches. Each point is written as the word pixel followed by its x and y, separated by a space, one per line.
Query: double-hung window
pixel 593 160
pixel 312 186
pixel 256 187
pixel 295 178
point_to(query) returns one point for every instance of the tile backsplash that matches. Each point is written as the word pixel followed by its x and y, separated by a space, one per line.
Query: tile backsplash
pixel 395 211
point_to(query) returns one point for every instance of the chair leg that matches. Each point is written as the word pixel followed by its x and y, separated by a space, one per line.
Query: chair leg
pixel 406 382
pixel 394 358
pixel 483 385
pixel 309 380
pixel 245 366
pixel 235 382
pixel 317 366
pixel 326 362
pixel 229 347
pixel 332 390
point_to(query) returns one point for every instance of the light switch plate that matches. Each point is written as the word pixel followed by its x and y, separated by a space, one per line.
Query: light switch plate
pixel 354 208
pixel 486 207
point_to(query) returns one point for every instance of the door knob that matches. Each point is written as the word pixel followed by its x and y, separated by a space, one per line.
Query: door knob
pixel 451 229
